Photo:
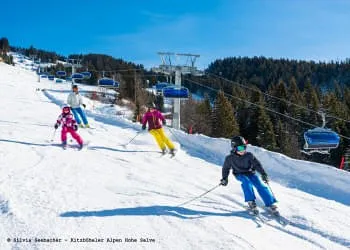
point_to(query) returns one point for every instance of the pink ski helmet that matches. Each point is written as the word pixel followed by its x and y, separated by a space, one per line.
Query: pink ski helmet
pixel 66 110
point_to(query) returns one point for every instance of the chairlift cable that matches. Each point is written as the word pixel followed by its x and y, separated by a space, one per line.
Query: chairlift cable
pixel 261 106
pixel 277 98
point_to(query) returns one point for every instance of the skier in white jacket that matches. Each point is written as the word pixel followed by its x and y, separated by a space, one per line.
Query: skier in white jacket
pixel 75 101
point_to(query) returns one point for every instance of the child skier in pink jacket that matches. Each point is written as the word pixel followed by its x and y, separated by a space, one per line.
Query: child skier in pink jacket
pixel 69 125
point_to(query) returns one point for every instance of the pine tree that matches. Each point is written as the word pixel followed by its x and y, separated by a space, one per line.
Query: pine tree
pixel 4 46
pixel 265 133
pixel 204 112
pixel 313 103
pixel 295 97
pixel 136 117
pixel 224 122
pixel 280 91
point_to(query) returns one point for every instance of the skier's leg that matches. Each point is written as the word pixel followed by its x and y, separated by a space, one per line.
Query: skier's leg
pixel 263 190
pixel 247 187
pixel 158 139
pixel 64 135
pixel 165 139
pixel 82 115
pixel 76 115
pixel 76 136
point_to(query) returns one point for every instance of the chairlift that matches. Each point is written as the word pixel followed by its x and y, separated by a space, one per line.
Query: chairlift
pixel 161 85
pixel 77 76
pixel 51 77
pixel 176 92
pixel 108 82
pixel 59 80
pixel 86 74
pixel 61 73
pixel 320 139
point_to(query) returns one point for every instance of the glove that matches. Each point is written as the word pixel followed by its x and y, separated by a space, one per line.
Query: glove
pixel 223 182
pixel 265 178
pixel 84 105
pixel 56 126
pixel 143 127
pixel 75 127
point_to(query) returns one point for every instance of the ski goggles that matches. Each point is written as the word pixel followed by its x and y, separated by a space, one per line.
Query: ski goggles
pixel 241 148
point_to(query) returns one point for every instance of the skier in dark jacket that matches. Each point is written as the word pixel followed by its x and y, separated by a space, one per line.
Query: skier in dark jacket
pixel 244 166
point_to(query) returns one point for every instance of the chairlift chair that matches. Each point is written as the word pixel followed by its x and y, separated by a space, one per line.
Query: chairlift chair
pixel 320 140
pixel 176 92
pixel 61 73
pixel 160 86
pixel 108 83
pixel 86 74
pixel 77 76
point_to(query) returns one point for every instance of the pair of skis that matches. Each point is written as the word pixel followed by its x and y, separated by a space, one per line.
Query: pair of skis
pixel 171 153
pixel 73 146
pixel 271 215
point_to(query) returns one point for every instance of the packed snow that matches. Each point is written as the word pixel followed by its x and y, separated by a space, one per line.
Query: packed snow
pixel 115 192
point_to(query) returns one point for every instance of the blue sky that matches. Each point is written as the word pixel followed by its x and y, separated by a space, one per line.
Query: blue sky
pixel 136 29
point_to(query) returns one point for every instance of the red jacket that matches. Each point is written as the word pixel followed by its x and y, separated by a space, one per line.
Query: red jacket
pixel 154 119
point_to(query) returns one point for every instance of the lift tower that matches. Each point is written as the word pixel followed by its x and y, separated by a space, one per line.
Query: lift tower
pixel 180 64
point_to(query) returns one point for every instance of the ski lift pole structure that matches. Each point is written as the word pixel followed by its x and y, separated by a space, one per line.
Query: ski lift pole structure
pixel 170 67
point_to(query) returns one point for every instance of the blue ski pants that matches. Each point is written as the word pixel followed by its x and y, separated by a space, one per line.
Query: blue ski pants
pixel 247 183
pixel 79 112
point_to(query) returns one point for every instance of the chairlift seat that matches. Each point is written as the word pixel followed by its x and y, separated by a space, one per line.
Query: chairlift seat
pixel 176 92
pixel 321 138
pixel 107 82
pixel 61 73
pixel 77 76
pixel 86 74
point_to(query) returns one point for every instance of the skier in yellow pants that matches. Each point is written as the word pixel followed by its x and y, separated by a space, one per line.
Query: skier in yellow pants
pixel 153 117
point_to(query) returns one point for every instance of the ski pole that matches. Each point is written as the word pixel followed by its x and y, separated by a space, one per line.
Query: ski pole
pixel 53 135
pixel 195 198
pixel 132 138
pixel 268 184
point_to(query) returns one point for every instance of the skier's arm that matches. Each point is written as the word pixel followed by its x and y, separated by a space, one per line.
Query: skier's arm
pixel 69 100
pixel 59 121
pixel 161 117
pixel 226 168
pixel 81 102
pixel 257 165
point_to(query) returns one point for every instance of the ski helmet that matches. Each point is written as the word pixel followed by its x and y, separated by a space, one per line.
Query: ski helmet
pixel 238 141
pixel 74 86
pixel 66 110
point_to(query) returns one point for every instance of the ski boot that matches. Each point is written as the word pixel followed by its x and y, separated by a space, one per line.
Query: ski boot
pixel 81 146
pixel 81 125
pixel 87 126
pixel 163 151
pixel 172 152
pixel 252 207
pixel 273 210
pixel 64 145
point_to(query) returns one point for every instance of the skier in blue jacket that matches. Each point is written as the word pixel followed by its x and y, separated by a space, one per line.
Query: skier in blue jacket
pixel 244 165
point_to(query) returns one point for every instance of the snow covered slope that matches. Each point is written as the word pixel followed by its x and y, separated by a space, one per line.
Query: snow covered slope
pixel 112 191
